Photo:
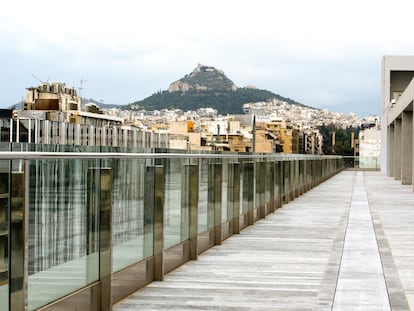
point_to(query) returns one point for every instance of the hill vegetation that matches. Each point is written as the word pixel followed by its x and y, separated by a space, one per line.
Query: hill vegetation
pixel 205 87
pixel 343 140
pixel 226 102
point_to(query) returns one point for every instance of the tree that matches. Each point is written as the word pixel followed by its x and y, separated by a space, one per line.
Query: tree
pixel 343 137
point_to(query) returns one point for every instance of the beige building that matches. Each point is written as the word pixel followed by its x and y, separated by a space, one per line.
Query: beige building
pixel 369 147
pixel 52 97
pixel 183 136
pixel 265 141
pixel 56 102
pixel 283 135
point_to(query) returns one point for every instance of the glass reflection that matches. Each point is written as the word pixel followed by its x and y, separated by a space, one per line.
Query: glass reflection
pixel 224 190
pixel 128 214
pixel 63 237
pixel 203 196
pixel 172 206
pixel 4 234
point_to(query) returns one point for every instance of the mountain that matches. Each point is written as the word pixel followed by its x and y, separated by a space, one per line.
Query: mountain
pixel 203 78
pixel 99 103
pixel 204 87
pixel 19 105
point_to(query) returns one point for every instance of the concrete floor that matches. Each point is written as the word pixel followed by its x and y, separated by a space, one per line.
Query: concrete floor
pixel 345 245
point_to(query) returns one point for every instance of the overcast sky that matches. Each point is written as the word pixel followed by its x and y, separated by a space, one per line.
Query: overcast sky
pixel 322 53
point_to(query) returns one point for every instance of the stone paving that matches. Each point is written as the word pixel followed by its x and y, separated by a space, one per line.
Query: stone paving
pixel 344 245
pixel 361 283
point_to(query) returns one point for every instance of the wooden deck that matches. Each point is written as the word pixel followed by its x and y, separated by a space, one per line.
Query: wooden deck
pixel 345 245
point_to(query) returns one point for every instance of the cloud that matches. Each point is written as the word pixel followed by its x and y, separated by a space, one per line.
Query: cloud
pixel 321 52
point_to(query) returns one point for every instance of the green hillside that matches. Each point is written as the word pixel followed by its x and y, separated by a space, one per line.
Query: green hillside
pixel 226 102
pixel 205 87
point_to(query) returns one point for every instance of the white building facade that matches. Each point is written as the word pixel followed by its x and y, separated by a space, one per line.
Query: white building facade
pixel 397 87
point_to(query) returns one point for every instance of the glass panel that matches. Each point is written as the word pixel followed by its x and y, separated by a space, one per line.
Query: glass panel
pixel 256 192
pixel 278 186
pixel 5 130
pixel 367 162
pixel 224 190
pixel 4 233
pixel 244 190
pixel 203 196
pixel 63 232
pixel 128 213
pixel 242 205
pixel 24 131
pixel 268 183
pixel 210 196
pixel 172 205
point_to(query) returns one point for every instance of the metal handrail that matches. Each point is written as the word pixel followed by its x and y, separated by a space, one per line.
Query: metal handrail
pixel 29 155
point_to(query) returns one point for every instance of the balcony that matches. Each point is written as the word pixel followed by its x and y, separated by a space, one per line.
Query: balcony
pixel 86 229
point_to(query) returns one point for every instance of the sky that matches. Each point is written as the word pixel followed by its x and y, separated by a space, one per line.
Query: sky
pixel 321 53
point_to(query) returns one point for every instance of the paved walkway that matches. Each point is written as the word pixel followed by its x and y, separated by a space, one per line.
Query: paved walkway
pixel 345 245
pixel 361 283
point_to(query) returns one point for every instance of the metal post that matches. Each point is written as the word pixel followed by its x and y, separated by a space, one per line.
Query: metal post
pixel 149 212
pixel 297 178
pixel 217 202
pixel 309 175
pixel 105 238
pixel 286 182
pixel 191 193
pixel 313 173
pixel 302 169
pixel 292 184
pixel 248 190
pixel 210 196
pixel 11 131
pixel 260 189
pixel 277 185
pixel 234 195
pixel 159 184
pixel 270 184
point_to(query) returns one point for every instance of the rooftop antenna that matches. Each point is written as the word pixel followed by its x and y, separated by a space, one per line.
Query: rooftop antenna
pixel 37 78
pixel 82 81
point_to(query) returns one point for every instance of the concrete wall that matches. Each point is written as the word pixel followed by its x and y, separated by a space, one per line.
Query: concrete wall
pixel 397 72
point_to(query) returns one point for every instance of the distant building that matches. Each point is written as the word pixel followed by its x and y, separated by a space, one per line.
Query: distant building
pixel 310 142
pixel 231 133
pixel 56 102
pixel 286 138
pixel 182 136
pixel 52 114
pixel 52 97
pixel 369 148
pixel 267 142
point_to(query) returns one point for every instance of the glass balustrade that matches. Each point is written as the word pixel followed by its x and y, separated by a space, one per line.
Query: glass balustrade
pixel 4 234
pixel 63 236
pixel 129 238
pixel 176 217
pixel 224 190
pixel 59 205
pixel 203 223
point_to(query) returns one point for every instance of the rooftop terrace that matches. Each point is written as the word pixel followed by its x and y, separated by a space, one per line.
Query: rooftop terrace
pixel 344 245
pixel 153 231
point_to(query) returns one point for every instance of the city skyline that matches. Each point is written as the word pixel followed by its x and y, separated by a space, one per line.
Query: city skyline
pixel 322 54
